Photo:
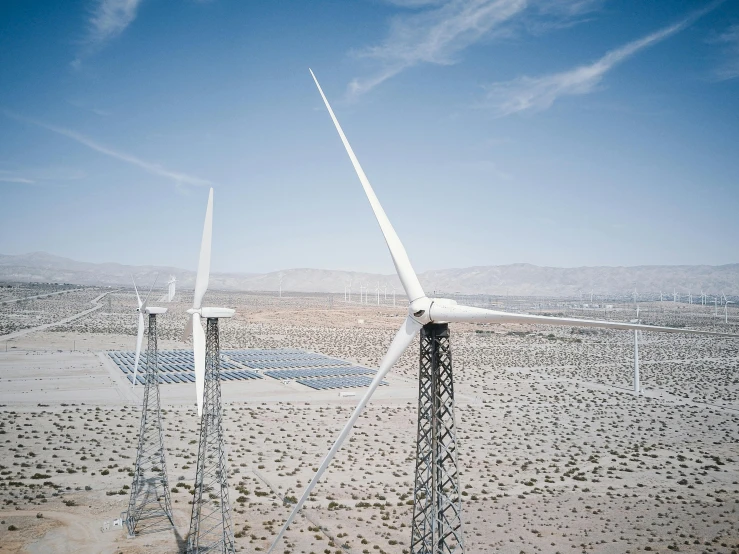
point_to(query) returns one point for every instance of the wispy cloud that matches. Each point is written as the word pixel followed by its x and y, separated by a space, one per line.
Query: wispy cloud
pixel 441 31
pixel 17 180
pixel 730 68
pixel 106 20
pixel 40 175
pixel 539 93
pixel 109 18
pixel 149 167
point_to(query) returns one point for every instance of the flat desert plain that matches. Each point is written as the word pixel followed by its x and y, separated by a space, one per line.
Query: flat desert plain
pixel 556 453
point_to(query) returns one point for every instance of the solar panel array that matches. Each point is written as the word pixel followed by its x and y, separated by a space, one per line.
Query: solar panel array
pixel 313 370
pixel 337 382
pixel 318 372
pixel 177 366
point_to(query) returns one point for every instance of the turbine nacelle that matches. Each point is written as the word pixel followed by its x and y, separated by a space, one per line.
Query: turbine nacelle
pixel 212 313
pixel 422 309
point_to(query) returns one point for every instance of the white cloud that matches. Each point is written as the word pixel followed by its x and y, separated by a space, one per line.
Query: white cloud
pixel 109 18
pixel 40 175
pixel 730 68
pixel 445 28
pixel 149 167
pixel 17 180
pixel 539 93
pixel 434 36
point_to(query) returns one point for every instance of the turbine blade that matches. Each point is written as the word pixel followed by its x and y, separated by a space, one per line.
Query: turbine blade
pixel 402 340
pixel 143 307
pixel 138 298
pixel 188 330
pixel 198 352
pixel 403 266
pixel 203 275
pixel 467 314
pixel 139 341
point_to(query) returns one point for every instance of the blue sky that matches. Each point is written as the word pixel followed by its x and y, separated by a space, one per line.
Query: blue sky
pixel 557 132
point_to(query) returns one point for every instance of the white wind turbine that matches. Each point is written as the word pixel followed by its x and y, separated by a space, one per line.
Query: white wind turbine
pixel 424 311
pixel 636 354
pixel 169 295
pixel 197 312
pixel 726 311
pixel 142 309
pixel 171 284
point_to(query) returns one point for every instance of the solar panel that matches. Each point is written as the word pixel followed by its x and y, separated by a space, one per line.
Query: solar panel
pixel 318 372
pixel 338 382
pixel 177 366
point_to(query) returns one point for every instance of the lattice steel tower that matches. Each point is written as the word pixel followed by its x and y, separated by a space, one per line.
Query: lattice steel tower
pixel 149 507
pixel 211 528
pixel 437 515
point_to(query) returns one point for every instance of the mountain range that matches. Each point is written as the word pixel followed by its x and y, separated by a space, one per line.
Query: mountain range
pixel 513 279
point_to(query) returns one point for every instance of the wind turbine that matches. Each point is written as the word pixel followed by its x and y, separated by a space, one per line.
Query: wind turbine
pixel 377 290
pixel 194 327
pixel 637 385
pixel 726 311
pixel 211 527
pixel 142 309
pixel 437 522
pixel 150 497
pixel 169 295
pixel 280 277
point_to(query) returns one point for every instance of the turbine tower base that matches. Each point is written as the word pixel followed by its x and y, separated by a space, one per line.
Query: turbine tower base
pixel 211 528
pixel 437 512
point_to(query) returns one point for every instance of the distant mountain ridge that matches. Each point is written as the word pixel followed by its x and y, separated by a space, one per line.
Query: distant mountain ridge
pixel 514 279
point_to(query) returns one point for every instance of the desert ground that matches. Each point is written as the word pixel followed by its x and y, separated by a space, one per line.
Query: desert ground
pixel 556 453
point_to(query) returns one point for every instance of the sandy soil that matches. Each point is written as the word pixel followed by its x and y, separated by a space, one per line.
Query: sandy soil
pixel 556 453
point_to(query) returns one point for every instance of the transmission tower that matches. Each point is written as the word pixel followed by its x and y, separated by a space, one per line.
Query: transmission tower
pixel 437 512
pixel 211 529
pixel 150 508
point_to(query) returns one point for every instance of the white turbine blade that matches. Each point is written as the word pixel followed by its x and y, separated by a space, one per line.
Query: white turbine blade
pixel 403 266
pixel 402 340
pixel 467 314
pixel 138 298
pixel 139 341
pixel 198 352
pixel 201 279
pixel 188 330
pixel 143 306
